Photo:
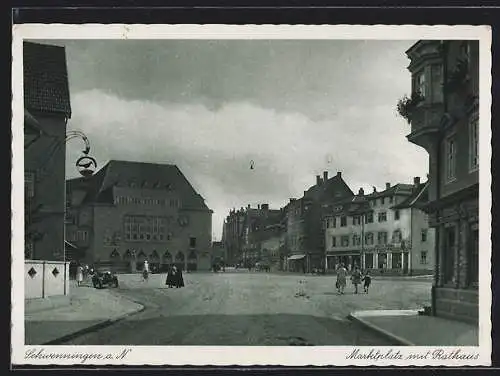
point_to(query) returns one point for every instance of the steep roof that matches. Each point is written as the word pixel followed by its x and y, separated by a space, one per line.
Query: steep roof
pixel 327 189
pixel 418 198
pixel 399 189
pixel 46 87
pixel 99 187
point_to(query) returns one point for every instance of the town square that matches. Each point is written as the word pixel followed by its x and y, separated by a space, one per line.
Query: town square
pixel 251 192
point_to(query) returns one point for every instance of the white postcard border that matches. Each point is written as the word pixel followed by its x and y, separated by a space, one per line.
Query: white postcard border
pixel 240 355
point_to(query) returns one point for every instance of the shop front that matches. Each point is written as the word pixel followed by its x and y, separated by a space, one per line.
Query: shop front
pixel 349 259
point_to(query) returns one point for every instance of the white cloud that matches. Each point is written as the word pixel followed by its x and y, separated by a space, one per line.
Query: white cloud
pixel 214 148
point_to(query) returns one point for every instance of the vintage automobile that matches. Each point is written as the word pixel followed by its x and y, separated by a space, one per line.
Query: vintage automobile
pixel 104 278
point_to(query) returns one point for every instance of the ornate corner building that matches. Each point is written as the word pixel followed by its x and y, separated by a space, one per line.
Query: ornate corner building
pixel 445 122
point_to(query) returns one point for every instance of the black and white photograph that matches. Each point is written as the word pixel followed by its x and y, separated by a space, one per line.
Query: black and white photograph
pixel 268 193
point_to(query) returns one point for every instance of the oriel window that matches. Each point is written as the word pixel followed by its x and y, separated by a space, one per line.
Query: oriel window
pixel 474 143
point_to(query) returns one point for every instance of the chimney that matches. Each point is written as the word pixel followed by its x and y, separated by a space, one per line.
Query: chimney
pixel 339 174
pixel 325 175
pixel 374 189
pixel 416 181
pixel 318 180
pixel 387 185
pixel 361 192
pixel 258 206
pixel 264 206
pixel 248 206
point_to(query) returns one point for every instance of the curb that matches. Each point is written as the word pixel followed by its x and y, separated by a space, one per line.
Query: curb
pixel 95 327
pixel 385 333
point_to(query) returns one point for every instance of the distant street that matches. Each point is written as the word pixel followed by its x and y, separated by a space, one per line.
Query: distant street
pixel 243 308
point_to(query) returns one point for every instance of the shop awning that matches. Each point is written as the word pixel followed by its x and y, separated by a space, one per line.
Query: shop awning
pixel 296 257
pixel 69 245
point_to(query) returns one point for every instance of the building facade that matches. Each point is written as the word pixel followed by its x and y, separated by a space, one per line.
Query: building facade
pixel 386 232
pixel 445 122
pixel 129 212
pixel 304 217
pixel 232 235
pixel 257 229
pixel 47 110
pixel 219 254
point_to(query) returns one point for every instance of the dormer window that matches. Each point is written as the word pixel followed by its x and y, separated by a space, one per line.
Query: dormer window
pixel 420 84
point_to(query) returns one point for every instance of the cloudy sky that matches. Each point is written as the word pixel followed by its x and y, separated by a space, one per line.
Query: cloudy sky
pixel 292 108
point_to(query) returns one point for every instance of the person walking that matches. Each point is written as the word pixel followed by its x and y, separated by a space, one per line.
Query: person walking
pixel 341 278
pixel 356 278
pixel 367 279
pixel 145 270
pixel 79 275
pixel 179 280
pixel 170 277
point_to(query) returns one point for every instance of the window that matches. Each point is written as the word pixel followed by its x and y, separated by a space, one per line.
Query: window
pixel 356 220
pixel 368 260
pixel 369 238
pixel 382 237
pixel 343 221
pixel 437 83
pixel 327 223
pixel 450 159
pixel 382 201
pixel 473 264
pixel 423 257
pixel 382 217
pixel 474 143
pixel 424 235
pixel 369 218
pixel 334 241
pixel 192 242
pixel 396 215
pixel 345 241
pixel 396 236
pixel 82 235
pixel 356 239
pixel 420 85
pixel 391 199
pixel 334 222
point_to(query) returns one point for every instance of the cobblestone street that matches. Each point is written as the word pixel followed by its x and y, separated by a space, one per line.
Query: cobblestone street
pixel 242 308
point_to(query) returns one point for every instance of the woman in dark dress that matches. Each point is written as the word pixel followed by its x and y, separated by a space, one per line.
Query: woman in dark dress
pixel 179 279
pixel 170 277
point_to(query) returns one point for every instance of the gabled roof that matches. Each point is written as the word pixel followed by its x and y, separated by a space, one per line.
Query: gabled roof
pixel 327 189
pixel 99 187
pixel 399 189
pixel 46 87
pixel 418 198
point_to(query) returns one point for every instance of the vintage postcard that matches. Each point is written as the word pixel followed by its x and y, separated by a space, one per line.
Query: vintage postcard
pixel 251 195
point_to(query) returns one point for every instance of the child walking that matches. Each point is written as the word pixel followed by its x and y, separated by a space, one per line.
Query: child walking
pixel 367 279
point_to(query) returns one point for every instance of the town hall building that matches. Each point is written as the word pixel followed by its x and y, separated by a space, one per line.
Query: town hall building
pixel 129 212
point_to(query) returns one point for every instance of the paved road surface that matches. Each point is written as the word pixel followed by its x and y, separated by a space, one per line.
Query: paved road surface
pixel 252 309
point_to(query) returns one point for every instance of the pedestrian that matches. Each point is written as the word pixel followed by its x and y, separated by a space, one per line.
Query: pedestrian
pixel 79 275
pixel 341 278
pixel 356 278
pixel 367 279
pixel 179 280
pixel 145 270
pixel 170 277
